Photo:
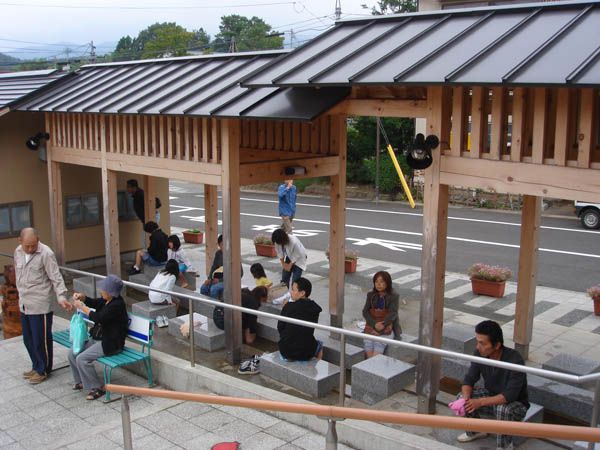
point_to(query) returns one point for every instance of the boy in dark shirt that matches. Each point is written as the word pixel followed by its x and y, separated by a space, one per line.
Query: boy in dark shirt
pixel 504 395
pixel 156 254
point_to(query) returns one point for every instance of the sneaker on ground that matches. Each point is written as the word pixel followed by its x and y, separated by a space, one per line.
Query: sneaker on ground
pixel 466 438
pixel 37 378
pixel 251 369
pixel 29 374
pixel 133 271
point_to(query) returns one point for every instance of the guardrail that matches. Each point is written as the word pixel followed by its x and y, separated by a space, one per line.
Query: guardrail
pixel 343 333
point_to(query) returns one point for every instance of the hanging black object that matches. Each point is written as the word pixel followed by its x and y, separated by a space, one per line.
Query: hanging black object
pixel 419 156
pixel 33 143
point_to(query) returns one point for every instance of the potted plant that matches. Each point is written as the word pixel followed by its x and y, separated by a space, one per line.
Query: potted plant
pixel 489 280
pixel 194 236
pixel 594 293
pixel 264 246
pixel 350 260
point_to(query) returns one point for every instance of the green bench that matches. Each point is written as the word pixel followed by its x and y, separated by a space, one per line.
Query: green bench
pixel 140 330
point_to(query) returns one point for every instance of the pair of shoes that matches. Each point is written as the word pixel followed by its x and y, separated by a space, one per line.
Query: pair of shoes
pixel 95 394
pixel 133 271
pixel 77 387
pixel 250 367
pixel 27 375
pixel 162 321
pixel 466 438
pixel 36 378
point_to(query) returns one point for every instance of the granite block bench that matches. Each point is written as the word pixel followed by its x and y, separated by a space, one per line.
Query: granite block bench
pixel 561 398
pixel 266 328
pixel 331 350
pixel 207 335
pixel 459 338
pixel 85 285
pixel 403 354
pixel 315 377
pixel 573 365
pixel 152 311
pixel 379 377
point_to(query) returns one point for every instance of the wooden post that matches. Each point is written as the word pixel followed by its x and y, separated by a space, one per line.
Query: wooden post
pixel 540 124
pixel 498 123
pixel 587 122
pixel 110 210
pixel 211 224
pixel 149 196
pixel 230 190
pixel 57 214
pixel 459 121
pixel 478 121
pixel 433 265
pixel 337 222
pixel 528 261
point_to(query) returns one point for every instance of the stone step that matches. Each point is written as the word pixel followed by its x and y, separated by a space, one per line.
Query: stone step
pixel 561 398
pixel 459 338
pixel 535 414
pixel 315 377
pixel 573 365
pixel 266 328
pixel 404 354
pixel 152 311
pixel 206 336
pixel 377 378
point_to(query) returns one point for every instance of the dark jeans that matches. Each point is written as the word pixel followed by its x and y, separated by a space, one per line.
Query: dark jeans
pixel 294 275
pixel 37 337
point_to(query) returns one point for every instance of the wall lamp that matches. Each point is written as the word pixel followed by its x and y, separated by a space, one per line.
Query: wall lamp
pixel 294 170
pixel 419 156
pixel 33 143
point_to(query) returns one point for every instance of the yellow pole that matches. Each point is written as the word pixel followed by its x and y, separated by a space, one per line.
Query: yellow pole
pixel 401 175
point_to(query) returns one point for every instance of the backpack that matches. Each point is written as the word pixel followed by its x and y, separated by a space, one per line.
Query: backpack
pixel 219 317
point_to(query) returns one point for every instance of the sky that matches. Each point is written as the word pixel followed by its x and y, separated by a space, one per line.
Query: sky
pixel 49 23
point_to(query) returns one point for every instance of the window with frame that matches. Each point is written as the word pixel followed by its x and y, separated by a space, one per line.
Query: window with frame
pixel 14 217
pixel 82 210
pixel 125 206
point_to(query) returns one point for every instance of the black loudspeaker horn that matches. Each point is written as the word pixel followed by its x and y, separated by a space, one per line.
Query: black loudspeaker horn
pixel 419 157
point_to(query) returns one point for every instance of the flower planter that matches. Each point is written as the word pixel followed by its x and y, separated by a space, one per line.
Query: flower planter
pixel 193 238
pixel 489 288
pixel 350 265
pixel 596 305
pixel 265 250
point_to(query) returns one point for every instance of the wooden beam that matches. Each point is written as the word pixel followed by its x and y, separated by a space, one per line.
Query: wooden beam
pixel 230 191
pixel 337 222
pixel 380 108
pixel 497 143
pixel 433 265
pixel 149 195
pixel 263 172
pixel 587 122
pixel 569 183
pixel 110 210
pixel 57 214
pixel 563 136
pixel 528 263
pixel 478 121
pixel 459 121
pixel 518 133
pixel 211 224
pixel 249 155
pixel 540 125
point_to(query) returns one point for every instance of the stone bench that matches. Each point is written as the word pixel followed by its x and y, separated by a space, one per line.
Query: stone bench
pixel 85 285
pixel 403 354
pixel 377 378
pixel 561 398
pixel 573 365
pixel 266 328
pixel 459 338
pixel 535 414
pixel 315 377
pixel 206 336
pixel 331 350
pixel 152 311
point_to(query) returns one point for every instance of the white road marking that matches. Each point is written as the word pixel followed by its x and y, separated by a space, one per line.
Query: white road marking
pixel 409 233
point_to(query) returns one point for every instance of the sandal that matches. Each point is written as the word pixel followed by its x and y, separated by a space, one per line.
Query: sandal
pixel 78 387
pixel 95 394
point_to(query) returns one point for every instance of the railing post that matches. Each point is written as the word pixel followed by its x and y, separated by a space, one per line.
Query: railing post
pixel 331 438
pixel 192 350
pixel 94 287
pixel 342 369
pixel 595 412
pixel 126 420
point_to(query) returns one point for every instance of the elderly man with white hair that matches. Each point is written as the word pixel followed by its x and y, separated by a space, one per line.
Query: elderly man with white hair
pixel 38 278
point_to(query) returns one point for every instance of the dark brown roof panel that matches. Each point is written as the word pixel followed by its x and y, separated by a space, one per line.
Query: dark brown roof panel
pixel 16 86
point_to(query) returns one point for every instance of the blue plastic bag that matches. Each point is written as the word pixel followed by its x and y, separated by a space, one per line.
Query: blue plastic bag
pixel 78 334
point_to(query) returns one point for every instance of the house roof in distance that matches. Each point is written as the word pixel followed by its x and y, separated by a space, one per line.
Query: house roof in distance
pixel 15 86
pixel 541 44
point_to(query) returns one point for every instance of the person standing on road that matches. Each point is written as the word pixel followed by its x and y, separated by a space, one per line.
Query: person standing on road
pixel 287 204
pixel 504 395
pixel 37 276
pixel 292 255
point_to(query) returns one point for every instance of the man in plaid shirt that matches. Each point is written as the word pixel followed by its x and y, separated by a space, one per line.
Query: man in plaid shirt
pixel 504 395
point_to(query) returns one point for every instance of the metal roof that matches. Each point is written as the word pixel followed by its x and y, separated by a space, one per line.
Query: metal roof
pixel 17 85
pixel 192 86
pixel 533 44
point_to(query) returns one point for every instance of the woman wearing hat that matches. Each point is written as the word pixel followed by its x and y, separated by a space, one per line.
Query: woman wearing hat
pixel 109 315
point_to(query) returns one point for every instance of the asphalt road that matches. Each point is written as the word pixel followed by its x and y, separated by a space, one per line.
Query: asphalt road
pixel 389 231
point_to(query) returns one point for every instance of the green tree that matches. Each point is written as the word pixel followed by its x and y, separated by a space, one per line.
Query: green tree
pixel 249 34
pixel 392 7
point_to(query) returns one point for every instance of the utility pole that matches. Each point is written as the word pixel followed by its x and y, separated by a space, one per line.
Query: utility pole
pixel 338 9
pixel 377 151
pixel 292 38
pixel 232 45
pixel 92 52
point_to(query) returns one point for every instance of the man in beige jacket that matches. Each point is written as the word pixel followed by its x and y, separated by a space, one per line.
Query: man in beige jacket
pixel 38 276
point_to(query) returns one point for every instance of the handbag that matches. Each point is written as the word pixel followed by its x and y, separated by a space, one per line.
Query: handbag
pixel 96 332
pixel 77 334
pixel 219 317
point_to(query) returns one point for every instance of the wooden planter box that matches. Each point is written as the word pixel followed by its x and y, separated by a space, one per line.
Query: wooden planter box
pixel 350 265
pixel 596 301
pixel 193 238
pixel 265 250
pixel 489 288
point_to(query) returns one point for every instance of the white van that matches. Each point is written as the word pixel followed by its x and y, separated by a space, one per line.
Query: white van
pixel 589 214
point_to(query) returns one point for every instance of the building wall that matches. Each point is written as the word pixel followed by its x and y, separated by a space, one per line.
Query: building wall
pixel 24 177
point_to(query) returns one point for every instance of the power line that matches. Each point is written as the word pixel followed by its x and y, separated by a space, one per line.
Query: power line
pixel 146 8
